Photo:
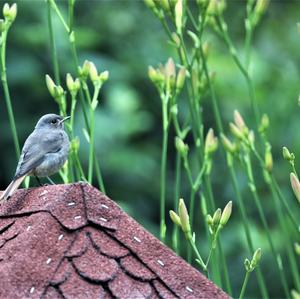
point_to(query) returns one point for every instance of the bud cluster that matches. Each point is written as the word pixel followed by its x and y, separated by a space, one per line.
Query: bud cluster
pixel 182 219
pixel 219 219
pixel 251 265
pixel 89 70
pixel 165 78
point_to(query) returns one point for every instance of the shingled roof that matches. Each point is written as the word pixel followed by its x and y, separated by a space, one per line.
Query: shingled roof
pixel 71 241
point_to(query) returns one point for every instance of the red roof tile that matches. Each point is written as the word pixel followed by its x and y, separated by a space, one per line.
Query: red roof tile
pixel 71 241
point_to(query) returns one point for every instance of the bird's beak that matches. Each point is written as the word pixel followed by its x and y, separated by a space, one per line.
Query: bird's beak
pixel 64 119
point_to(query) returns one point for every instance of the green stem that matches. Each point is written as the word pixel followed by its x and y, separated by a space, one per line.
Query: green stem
pixel 244 285
pixel 52 45
pixel 197 253
pixel 265 224
pixel 245 221
pixel 284 228
pixel 99 174
pixel 7 94
pixel 175 234
pixel 92 135
pixel 54 6
pixel 233 52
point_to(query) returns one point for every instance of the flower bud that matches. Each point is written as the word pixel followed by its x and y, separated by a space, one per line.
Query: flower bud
pixel 217 217
pixel 297 248
pixel 104 76
pixel 268 157
pixel 228 145
pixel 286 154
pixel 247 265
pixel 178 15
pixel 181 147
pixel 236 131
pixel 264 123
pixel 50 85
pixel 295 185
pixel 93 72
pixel 10 13
pixel 205 49
pixel 74 146
pixel 195 39
pixel 255 259
pixel 170 73
pixel 150 4
pixel 184 217
pixel 84 70
pixel 175 218
pixel 180 79
pixel 176 39
pixel 226 214
pixel 209 220
pixel 239 121
pixel 261 6
pixel 211 142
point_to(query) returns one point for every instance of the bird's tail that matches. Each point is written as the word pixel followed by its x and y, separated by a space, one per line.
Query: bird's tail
pixel 12 187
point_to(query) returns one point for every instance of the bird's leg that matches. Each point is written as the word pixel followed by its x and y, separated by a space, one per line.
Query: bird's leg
pixel 38 180
pixel 51 182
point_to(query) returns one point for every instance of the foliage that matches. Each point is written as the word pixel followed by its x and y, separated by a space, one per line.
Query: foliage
pixel 148 149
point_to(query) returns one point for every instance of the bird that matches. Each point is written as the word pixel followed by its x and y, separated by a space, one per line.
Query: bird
pixel 44 152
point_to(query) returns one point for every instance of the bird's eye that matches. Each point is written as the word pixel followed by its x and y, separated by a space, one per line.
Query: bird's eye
pixel 54 121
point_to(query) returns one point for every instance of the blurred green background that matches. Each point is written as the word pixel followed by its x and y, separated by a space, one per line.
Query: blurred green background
pixel 124 38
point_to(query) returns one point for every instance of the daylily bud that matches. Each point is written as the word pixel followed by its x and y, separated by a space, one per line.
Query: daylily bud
pixel 261 6
pixel 195 39
pixel 209 220
pixel 176 39
pixel 175 218
pixel 226 214
pixel 295 185
pixel 10 13
pixel 268 157
pixel 74 146
pixel 93 72
pixel 256 258
pixel 181 146
pixel 205 49
pixel 150 4
pixel 251 137
pixel 104 76
pixel 85 70
pixel 247 265
pixel 211 142
pixel 184 217
pixel 236 131
pixel 180 79
pixel 228 145
pixel 73 85
pixel 50 85
pixel 156 76
pixel 217 217
pixel 178 15
pixel 295 294
pixel 239 121
pixel 297 248
pixel 264 123
pixel 170 73
pixel 286 154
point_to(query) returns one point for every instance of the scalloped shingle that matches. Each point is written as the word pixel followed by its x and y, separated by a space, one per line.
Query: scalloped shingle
pixel 71 241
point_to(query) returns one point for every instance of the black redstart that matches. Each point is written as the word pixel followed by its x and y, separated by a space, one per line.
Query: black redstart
pixel 44 152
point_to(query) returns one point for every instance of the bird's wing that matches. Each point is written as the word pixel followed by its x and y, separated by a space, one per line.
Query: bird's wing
pixel 37 145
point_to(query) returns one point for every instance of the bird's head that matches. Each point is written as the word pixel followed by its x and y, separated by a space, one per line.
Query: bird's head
pixel 51 121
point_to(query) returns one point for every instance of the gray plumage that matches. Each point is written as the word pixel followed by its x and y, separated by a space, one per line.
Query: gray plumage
pixel 44 152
